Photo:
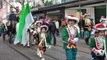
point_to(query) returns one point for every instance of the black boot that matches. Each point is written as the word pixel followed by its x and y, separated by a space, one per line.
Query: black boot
pixel 87 40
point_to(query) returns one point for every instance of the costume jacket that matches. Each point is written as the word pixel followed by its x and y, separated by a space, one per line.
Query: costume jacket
pixel 66 37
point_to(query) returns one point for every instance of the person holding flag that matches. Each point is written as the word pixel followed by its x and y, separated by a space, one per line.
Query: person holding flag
pixel 70 37
pixel 26 19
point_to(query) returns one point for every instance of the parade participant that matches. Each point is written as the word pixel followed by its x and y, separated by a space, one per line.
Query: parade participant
pixel 81 28
pixel 44 41
pixel 35 29
pixel 98 43
pixel 13 20
pixel 46 21
pixel 87 24
pixel 103 20
pixel 3 30
pixel 70 37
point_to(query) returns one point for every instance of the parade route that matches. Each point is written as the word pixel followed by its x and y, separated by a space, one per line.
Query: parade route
pixel 7 53
pixel 55 53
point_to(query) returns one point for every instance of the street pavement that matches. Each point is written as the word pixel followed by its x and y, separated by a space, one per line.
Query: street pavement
pixel 55 53
pixel 7 53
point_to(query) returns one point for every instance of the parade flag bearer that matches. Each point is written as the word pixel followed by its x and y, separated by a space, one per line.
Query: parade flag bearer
pixel 70 37
pixel 98 43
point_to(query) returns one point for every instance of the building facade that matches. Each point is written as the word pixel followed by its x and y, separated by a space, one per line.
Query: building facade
pixel 96 8
pixel 3 10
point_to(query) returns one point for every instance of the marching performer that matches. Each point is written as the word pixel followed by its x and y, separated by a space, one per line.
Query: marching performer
pixel 44 41
pixel 103 20
pixel 98 43
pixel 87 25
pixel 70 37
pixel 34 29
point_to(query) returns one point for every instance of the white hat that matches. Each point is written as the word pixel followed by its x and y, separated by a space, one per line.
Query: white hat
pixel 100 26
pixel 86 14
pixel 44 26
pixel 72 17
pixel 102 19
pixel 38 21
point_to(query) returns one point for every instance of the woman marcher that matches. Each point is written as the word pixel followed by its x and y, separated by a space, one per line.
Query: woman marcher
pixel 70 37
pixel 33 30
pixel 87 25
pixel 103 20
pixel 44 41
pixel 98 43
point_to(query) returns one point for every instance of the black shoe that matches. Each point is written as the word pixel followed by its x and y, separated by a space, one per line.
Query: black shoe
pixel 87 41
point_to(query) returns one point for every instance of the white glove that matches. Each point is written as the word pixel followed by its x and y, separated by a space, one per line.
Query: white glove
pixel 94 50
pixel 75 40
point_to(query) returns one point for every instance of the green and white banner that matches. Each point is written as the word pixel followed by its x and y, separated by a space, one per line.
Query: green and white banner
pixel 26 19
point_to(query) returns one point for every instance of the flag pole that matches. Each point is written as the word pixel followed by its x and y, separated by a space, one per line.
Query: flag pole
pixel 23 2
pixel 80 6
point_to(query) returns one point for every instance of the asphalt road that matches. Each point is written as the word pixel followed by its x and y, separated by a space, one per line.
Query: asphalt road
pixel 7 53
pixel 17 52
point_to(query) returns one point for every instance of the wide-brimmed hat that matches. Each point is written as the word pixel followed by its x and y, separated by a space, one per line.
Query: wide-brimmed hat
pixel 86 14
pixel 100 26
pixel 102 19
pixel 71 17
pixel 38 21
pixel 44 26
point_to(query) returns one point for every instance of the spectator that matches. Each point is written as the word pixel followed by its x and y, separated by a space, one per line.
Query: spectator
pixel 57 27
pixel 52 30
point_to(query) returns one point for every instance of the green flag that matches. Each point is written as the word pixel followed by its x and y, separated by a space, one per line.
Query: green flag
pixel 21 24
pixel 26 19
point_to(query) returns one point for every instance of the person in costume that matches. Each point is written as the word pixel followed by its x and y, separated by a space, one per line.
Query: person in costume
pixel 34 29
pixel 103 20
pixel 98 43
pixel 44 41
pixel 3 30
pixel 70 37
pixel 87 25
